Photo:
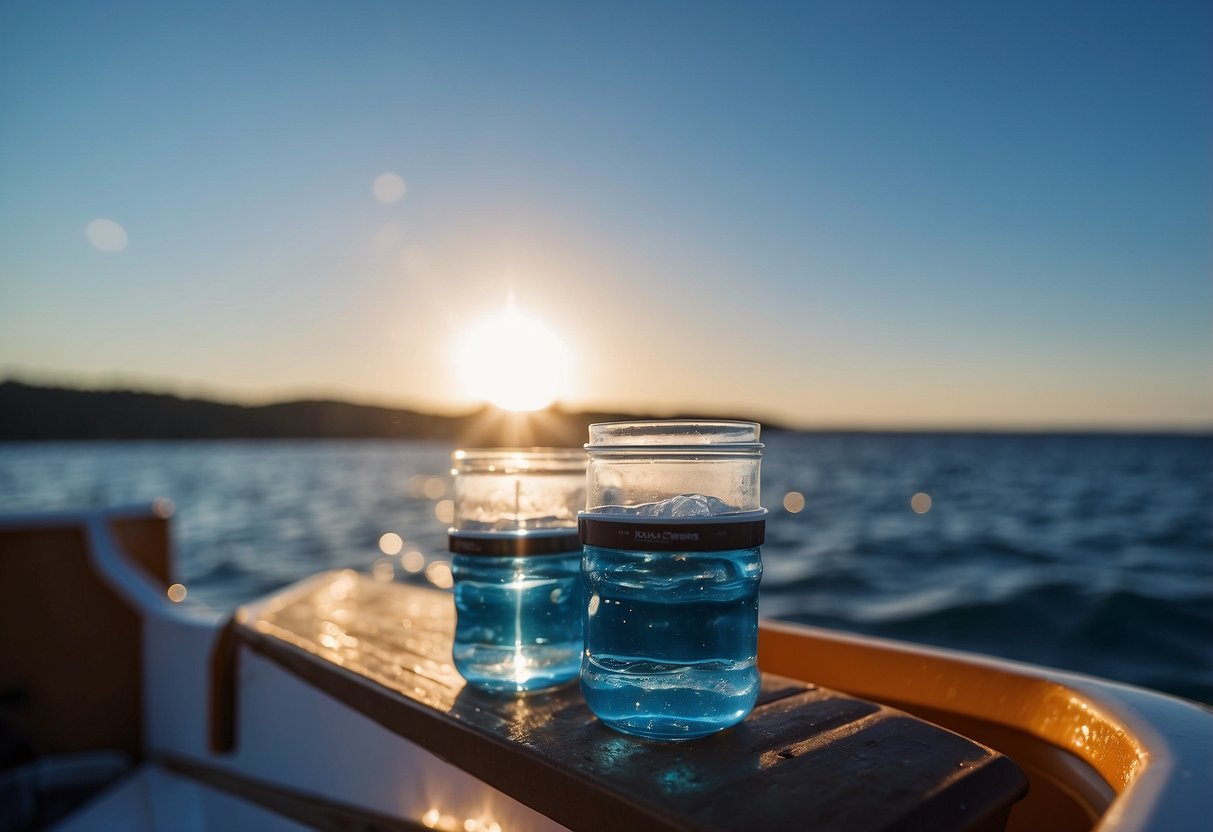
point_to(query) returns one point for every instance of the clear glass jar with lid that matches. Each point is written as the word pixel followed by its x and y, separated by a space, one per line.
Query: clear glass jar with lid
pixel 671 567
pixel 516 566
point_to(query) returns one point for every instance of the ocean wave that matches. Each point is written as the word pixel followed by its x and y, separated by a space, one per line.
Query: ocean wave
pixel 1087 553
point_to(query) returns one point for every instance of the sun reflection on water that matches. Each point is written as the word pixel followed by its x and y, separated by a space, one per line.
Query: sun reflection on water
pixel 384 570
pixel 439 574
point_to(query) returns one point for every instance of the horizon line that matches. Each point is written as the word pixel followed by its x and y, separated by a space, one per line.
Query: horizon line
pixel 627 413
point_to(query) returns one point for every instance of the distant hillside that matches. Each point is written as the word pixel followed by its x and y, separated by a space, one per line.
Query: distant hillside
pixel 31 413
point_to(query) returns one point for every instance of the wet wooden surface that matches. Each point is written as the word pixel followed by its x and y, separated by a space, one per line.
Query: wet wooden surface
pixel 806 758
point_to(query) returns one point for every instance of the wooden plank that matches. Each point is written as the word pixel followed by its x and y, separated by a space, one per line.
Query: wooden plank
pixel 806 756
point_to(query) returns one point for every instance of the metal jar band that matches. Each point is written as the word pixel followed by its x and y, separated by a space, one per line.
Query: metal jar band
pixel 513 544
pixel 698 534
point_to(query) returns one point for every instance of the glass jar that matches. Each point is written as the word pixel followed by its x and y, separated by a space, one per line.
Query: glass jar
pixel 671 567
pixel 516 566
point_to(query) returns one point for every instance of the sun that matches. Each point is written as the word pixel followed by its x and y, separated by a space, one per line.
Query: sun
pixel 513 361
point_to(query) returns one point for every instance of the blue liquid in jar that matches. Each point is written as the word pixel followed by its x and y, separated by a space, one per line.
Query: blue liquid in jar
pixel 671 640
pixel 518 620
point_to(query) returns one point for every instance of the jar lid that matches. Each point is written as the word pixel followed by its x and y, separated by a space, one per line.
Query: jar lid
pixel 697 435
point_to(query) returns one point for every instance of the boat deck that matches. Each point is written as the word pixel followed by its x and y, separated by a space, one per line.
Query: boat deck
pixel 806 756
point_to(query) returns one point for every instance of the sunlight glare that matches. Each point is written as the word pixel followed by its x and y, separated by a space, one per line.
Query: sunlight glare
pixel 439 574
pixel 106 235
pixel 384 571
pixel 389 187
pixel 513 361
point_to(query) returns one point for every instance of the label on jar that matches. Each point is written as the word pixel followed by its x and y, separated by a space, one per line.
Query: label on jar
pixel 514 543
pixel 660 534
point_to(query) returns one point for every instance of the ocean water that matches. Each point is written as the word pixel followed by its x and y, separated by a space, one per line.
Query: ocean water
pixel 1091 553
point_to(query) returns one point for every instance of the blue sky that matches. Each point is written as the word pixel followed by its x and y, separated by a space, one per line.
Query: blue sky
pixel 871 214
